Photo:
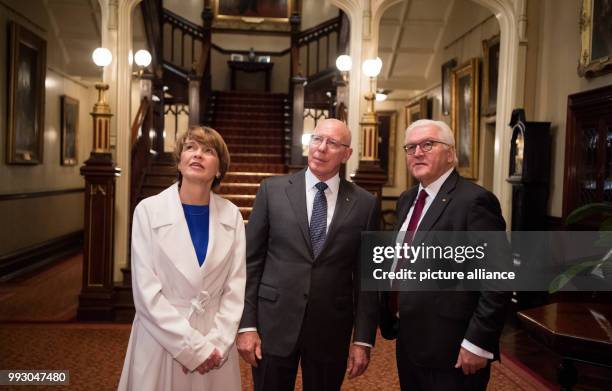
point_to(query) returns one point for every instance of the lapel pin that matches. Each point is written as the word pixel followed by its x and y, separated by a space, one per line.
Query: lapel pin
pixel 347 199
pixel 443 199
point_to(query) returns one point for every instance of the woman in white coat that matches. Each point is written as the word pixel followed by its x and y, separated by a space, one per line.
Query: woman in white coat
pixel 188 277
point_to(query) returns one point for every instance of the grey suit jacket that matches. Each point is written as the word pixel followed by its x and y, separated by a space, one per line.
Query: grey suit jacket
pixel 291 295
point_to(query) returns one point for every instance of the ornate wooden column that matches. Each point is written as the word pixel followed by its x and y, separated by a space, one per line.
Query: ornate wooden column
pixel 100 171
pixel 296 93
pixel 369 174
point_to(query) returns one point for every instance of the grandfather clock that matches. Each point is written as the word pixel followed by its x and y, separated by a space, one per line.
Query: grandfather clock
pixel 529 175
pixel 529 172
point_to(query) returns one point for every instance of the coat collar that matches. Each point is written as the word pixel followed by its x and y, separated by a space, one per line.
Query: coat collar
pixel 175 240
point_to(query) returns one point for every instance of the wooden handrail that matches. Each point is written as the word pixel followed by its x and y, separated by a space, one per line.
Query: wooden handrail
pixel 246 52
pixel 183 24
pixel 318 31
pixel 141 114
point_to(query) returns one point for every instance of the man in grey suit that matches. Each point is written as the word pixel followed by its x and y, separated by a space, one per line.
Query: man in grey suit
pixel 303 299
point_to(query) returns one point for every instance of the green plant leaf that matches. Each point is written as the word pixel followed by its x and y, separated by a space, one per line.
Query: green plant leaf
pixel 596 208
pixel 562 279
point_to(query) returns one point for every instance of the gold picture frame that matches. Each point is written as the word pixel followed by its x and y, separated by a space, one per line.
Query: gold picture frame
pixel 465 116
pixel 490 75
pixel 447 68
pixel 26 98
pixel 69 130
pixel 387 129
pixel 272 15
pixel 595 38
pixel 414 112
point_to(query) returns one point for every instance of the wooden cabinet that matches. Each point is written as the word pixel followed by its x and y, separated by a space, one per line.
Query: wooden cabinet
pixel 588 150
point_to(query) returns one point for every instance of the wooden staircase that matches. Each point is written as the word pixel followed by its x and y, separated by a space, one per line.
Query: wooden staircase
pixel 253 125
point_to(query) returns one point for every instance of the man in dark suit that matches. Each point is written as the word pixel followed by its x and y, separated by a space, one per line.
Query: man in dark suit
pixel 303 300
pixel 445 339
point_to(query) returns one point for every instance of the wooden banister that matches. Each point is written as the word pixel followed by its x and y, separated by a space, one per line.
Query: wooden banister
pixel 138 120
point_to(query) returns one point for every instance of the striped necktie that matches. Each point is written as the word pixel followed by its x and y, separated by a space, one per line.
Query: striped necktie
pixel 318 219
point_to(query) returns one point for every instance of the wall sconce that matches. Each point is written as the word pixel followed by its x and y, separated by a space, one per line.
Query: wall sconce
pixel 142 58
pixel 101 113
pixel 381 95
pixel 344 63
pixel 369 133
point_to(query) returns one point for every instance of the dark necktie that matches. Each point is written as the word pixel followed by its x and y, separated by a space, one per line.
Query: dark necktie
pixel 412 226
pixel 318 219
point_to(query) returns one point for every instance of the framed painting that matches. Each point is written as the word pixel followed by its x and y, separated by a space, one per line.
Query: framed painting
pixel 417 110
pixel 263 15
pixel 26 98
pixel 414 112
pixel 70 130
pixel 447 68
pixel 595 38
pixel 464 116
pixel 387 127
pixel 490 75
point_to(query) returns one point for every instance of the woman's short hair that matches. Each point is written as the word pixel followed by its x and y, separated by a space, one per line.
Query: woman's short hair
pixel 444 132
pixel 210 138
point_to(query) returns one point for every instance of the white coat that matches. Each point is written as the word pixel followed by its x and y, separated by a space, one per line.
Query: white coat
pixel 184 311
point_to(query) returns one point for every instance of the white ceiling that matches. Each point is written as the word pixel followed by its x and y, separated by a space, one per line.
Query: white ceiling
pixel 75 26
pixel 409 36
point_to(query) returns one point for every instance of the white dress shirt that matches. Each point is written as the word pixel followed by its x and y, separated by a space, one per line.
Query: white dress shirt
pixel 432 191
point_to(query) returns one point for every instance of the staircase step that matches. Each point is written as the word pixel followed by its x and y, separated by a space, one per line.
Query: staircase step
pixel 245 131
pixel 257 158
pixel 248 108
pixel 240 113
pixel 241 200
pixel 247 177
pixel 250 94
pixel 244 138
pixel 258 167
pixel 238 188
pixel 256 148
pixel 248 123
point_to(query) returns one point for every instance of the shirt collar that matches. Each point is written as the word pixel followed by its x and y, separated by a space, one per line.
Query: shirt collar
pixel 435 186
pixel 333 183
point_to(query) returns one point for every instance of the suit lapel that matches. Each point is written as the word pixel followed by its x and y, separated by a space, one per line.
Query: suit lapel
pixel 296 193
pixel 405 207
pixel 220 234
pixel 175 240
pixel 443 198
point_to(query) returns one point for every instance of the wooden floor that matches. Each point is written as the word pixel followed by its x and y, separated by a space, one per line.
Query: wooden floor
pixel 52 295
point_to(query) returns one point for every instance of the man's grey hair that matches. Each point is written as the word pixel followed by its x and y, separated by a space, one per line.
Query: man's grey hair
pixel 445 133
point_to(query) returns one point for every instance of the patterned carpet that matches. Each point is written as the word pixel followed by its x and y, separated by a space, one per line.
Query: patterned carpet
pixel 93 353
pixel 36 333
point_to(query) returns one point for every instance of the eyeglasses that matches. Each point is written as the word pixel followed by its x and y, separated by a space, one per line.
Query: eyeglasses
pixel 317 140
pixel 425 146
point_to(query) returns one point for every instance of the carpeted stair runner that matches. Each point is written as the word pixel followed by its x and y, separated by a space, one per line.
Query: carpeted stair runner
pixel 253 126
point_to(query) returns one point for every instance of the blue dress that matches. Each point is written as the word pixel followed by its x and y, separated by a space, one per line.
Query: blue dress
pixel 197 217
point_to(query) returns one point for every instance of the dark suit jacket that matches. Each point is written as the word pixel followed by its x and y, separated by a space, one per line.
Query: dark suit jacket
pixel 433 324
pixel 290 294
